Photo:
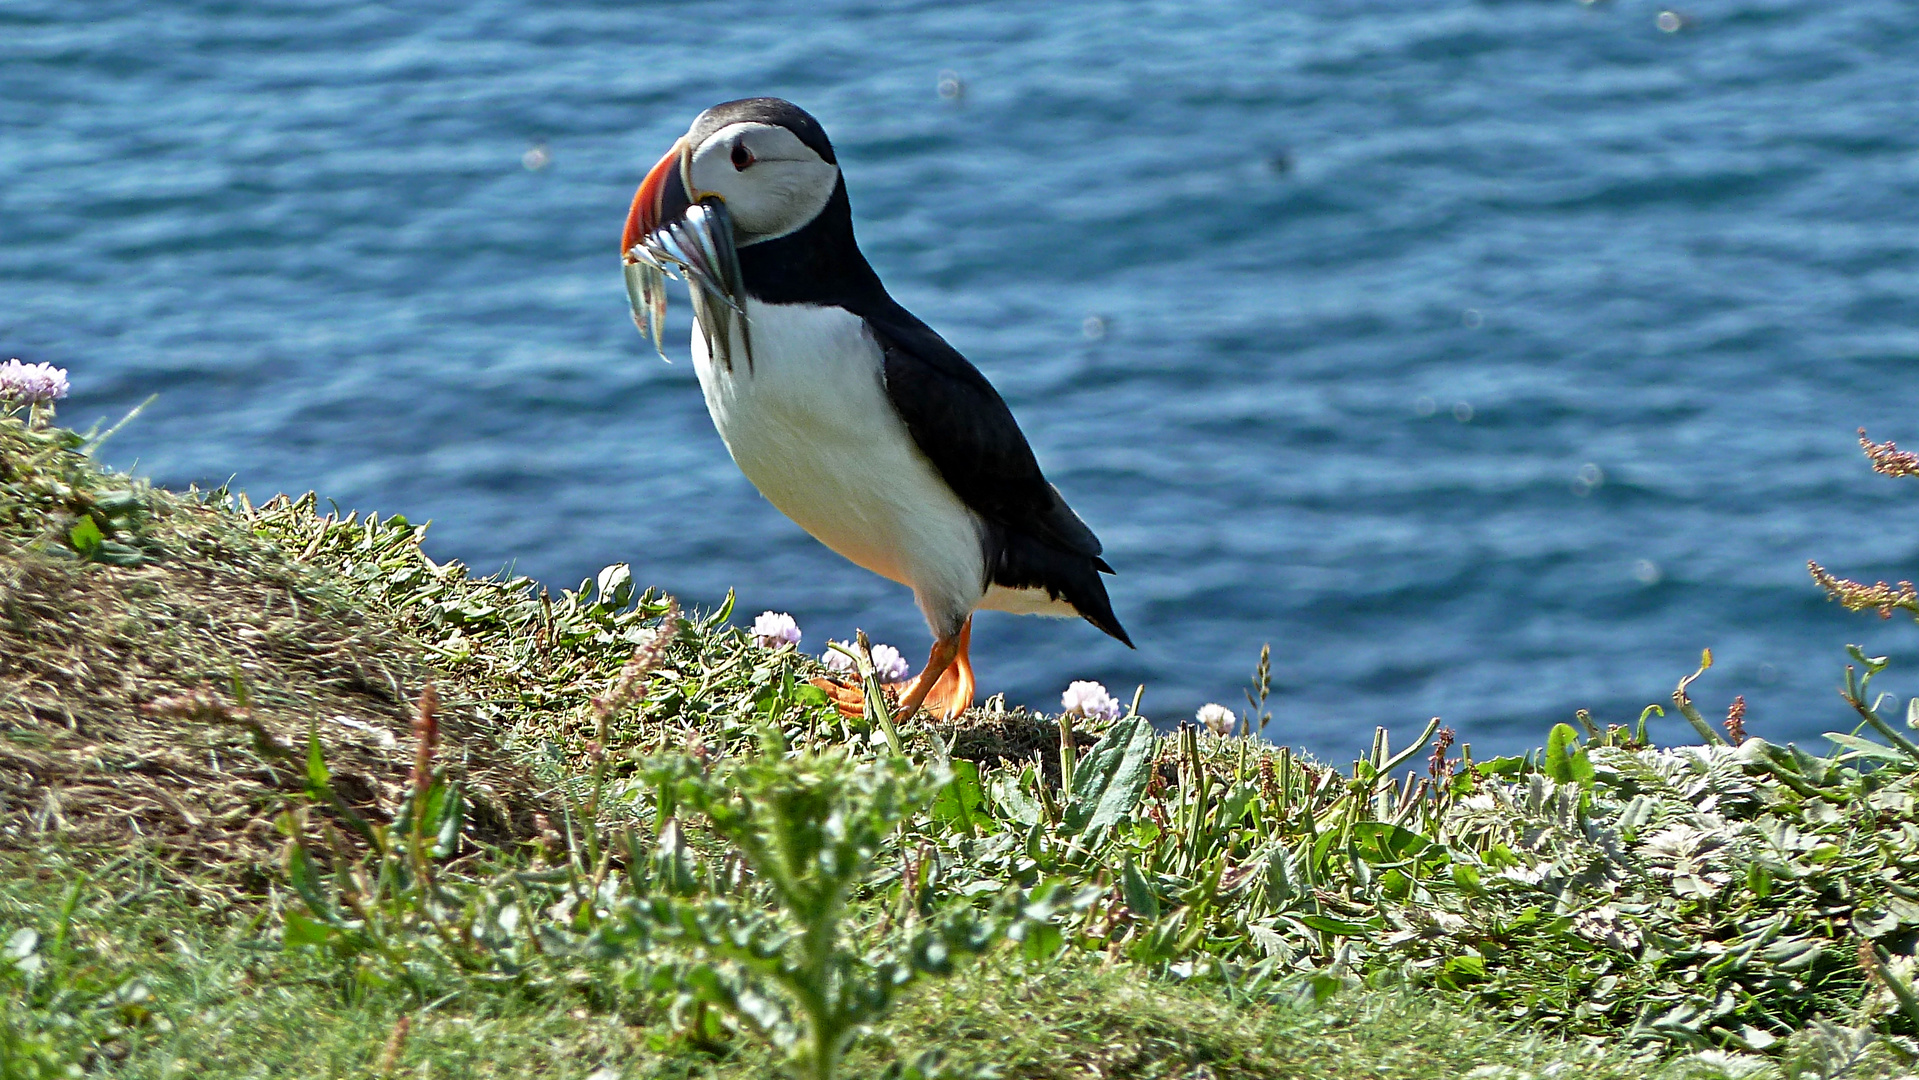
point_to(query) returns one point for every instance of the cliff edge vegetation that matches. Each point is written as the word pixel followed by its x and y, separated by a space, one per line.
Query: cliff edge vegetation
pixel 281 795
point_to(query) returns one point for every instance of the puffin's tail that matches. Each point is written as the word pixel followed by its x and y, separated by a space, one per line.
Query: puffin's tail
pixel 1026 562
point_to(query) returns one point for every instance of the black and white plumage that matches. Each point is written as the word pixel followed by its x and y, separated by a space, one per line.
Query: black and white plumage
pixel 849 414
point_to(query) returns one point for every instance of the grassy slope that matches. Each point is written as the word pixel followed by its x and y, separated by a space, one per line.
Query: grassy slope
pixel 150 986
pixel 194 606
pixel 172 964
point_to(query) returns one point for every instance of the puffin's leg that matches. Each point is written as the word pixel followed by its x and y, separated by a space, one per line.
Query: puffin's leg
pixel 945 651
pixel 952 694
pixel 946 692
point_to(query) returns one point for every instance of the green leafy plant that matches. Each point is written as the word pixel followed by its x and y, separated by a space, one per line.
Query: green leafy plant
pixel 767 933
pixel 373 907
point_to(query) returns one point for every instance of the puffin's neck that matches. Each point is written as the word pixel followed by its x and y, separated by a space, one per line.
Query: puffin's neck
pixel 819 264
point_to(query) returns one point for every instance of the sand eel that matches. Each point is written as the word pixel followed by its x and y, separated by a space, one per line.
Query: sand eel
pixel 848 413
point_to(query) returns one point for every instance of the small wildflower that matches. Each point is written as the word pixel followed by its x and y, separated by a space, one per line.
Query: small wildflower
pixel 1216 718
pixel 1439 765
pixel 1858 597
pixel 33 384
pixel 1736 720
pixel 1090 700
pixel 888 664
pixel 646 658
pixel 1887 458
pixel 774 630
pixel 1269 781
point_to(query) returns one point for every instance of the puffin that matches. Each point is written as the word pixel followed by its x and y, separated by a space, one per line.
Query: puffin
pixel 848 413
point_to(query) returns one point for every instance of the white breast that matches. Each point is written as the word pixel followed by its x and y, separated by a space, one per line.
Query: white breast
pixel 810 424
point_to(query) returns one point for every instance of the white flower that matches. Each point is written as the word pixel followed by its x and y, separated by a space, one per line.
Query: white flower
pixel 888 664
pixel 1090 700
pixel 32 383
pixel 774 630
pixel 1217 719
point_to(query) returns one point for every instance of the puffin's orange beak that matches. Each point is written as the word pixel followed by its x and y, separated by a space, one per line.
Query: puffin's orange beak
pixel 661 199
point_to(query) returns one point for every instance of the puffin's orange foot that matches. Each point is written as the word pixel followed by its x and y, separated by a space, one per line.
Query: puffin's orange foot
pixel 950 695
pixel 952 692
pixel 850 699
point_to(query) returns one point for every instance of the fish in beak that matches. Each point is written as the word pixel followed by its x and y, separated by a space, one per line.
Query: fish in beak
pixel 670 233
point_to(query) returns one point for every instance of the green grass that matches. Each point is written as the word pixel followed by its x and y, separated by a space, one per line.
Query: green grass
pixel 150 986
pixel 224 852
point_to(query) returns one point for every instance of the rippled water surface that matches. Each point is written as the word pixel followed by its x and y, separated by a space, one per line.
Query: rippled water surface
pixel 1488 359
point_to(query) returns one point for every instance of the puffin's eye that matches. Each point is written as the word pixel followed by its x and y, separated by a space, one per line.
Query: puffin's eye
pixel 742 157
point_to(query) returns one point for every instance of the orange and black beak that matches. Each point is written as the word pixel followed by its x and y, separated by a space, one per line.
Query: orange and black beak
pixel 661 200
pixel 667 233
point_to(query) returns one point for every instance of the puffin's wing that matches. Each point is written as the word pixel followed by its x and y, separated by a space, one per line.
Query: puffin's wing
pixel 960 422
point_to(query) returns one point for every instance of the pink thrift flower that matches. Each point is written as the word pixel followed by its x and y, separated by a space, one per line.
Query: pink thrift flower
pixel 776 630
pixel 1217 719
pixel 888 663
pixel 33 384
pixel 1090 700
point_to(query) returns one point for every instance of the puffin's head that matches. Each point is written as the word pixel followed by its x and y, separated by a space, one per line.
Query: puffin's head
pixel 766 159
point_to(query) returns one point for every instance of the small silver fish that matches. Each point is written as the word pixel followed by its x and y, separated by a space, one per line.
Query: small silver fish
pixel 697 249
pixel 646 292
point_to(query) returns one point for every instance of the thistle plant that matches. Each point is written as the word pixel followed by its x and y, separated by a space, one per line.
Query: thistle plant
pixel 771 948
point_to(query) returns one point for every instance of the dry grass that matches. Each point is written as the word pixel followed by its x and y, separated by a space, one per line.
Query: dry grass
pixel 210 609
pixel 294 620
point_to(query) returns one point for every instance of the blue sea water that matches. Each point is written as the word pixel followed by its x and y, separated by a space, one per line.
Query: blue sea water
pixel 1488 358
